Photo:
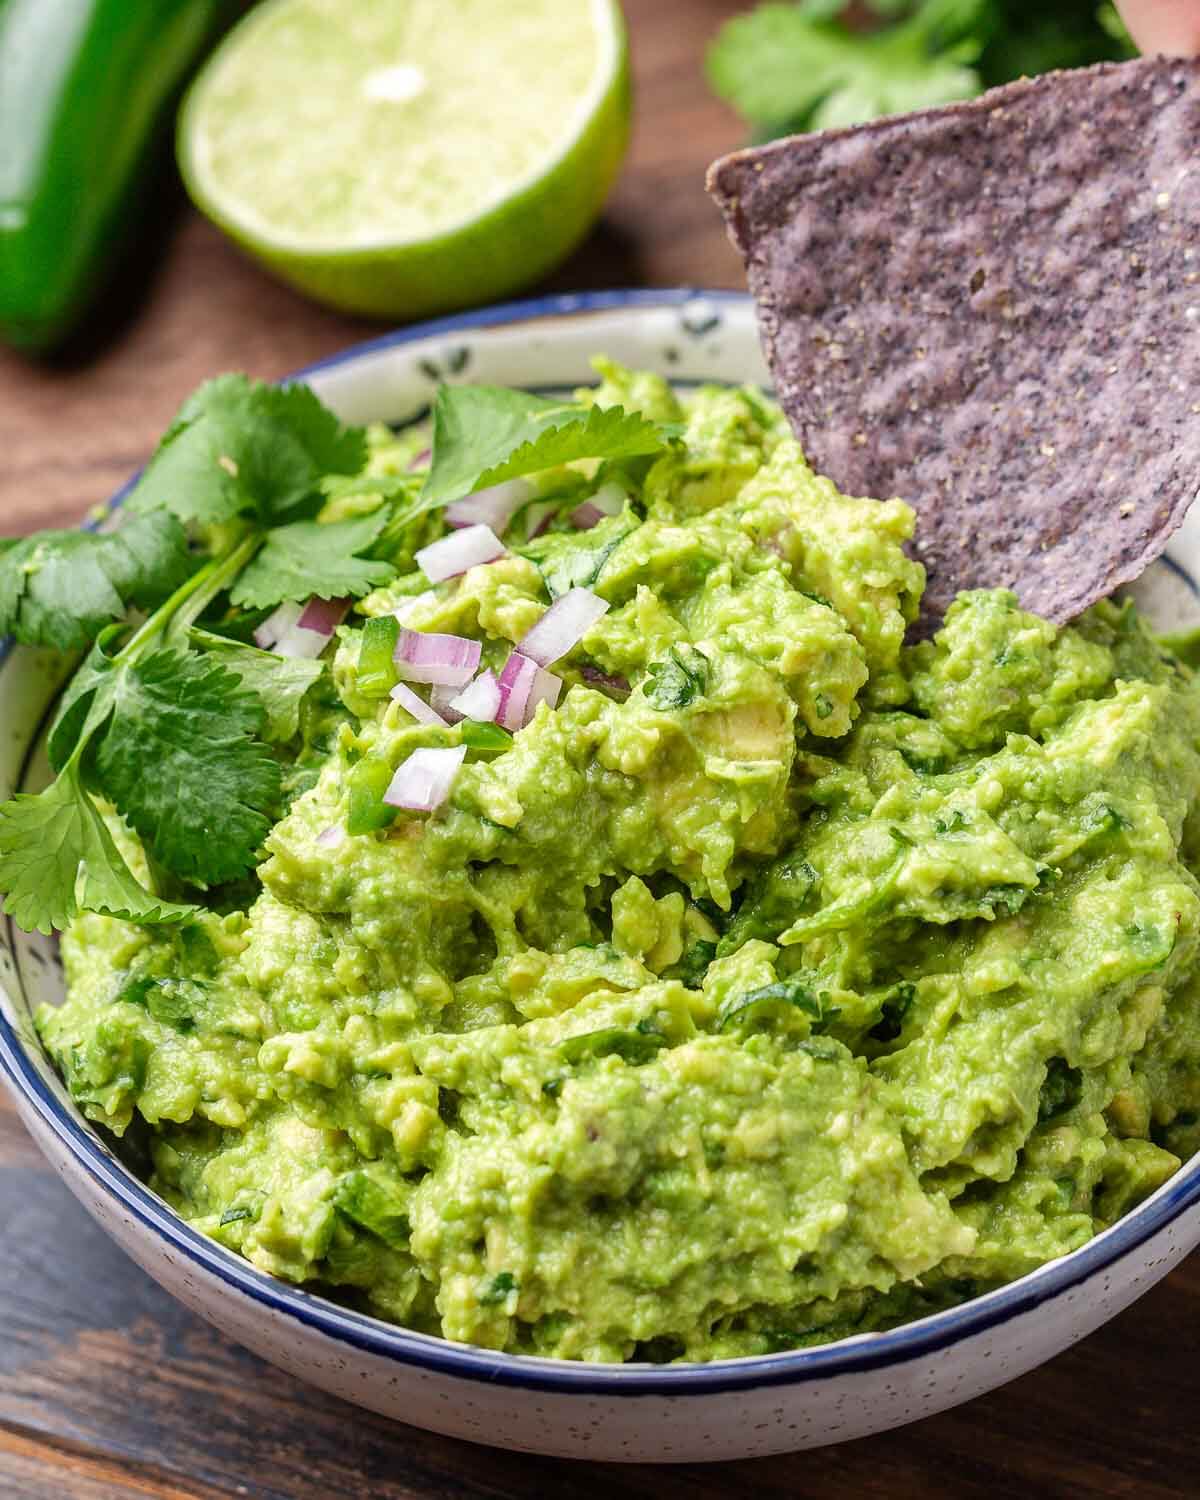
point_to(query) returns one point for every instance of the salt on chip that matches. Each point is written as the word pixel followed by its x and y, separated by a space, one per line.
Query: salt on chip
pixel 993 310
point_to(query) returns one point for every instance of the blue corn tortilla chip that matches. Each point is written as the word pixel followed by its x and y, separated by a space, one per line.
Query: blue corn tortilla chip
pixel 993 310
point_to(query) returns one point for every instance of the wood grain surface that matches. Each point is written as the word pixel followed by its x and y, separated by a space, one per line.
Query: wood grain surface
pixel 109 1390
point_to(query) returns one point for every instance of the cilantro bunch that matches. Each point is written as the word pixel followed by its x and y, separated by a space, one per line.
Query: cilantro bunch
pixel 173 718
pixel 818 64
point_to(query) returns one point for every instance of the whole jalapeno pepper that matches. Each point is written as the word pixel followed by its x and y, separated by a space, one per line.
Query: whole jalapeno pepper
pixel 87 92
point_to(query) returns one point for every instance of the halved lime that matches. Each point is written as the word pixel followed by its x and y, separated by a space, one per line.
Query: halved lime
pixel 404 157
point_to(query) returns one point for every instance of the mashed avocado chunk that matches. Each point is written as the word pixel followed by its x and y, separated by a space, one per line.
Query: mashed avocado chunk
pixel 781 982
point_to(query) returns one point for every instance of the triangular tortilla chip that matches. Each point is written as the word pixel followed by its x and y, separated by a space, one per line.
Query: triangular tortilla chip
pixel 993 311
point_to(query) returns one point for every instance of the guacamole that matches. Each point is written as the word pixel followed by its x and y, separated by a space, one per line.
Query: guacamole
pixel 781 981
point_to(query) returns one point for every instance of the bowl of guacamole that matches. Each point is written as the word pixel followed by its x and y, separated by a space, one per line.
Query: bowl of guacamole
pixel 657 973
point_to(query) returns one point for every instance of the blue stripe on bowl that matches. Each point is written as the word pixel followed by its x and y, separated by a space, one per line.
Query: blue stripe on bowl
pixel 1181 573
pixel 866 1352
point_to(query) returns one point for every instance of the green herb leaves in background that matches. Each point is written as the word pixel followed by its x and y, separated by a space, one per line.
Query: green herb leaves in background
pixel 792 67
pixel 815 65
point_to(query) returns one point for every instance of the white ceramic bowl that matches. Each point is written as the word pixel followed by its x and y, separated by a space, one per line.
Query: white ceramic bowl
pixel 729 1409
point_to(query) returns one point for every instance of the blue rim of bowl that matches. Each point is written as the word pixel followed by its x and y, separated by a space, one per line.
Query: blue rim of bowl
pixel 926 1336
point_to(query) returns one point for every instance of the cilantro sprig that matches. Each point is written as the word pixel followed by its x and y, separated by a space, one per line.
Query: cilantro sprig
pixel 167 736
pixel 308 558
pixel 167 722
pixel 241 447
pixel 59 858
pixel 60 588
pixel 823 63
pixel 278 682
pixel 170 718
pixel 484 434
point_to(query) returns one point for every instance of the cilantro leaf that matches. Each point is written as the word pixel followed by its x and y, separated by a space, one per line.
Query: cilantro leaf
pixel 58 857
pixel 679 679
pixel 233 1215
pixel 278 682
pixel 771 902
pixel 820 63
pixel 242 446
pixel 1061 1090
pixel 86 702
pixel 892 1011
pixel 180 759
pixel 693 965
pixel 784 68
pixel 498 1289
pixel 772 1002
pixel 59 588
pixel 12 580
pixel 373 1207
pixel 576 559
pixel 636 1046
pixel 1028 39
pixel 484 434
pixel 146 559
pixel 308 558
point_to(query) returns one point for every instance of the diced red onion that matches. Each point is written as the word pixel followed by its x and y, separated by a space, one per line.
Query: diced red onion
pixel 278 623
pixel 563 626
pixel 328 837
pixel 301 630
pixel 479 700
pixel 516 678
pixel 546 688
pixel 410 606
pixel 419 460
pixel 442 699
pixel 609 500
pixel 420 710
pixel 607 680
pixel 523 685
pixel 585 516
pixel 449 660
pixel 323 615
pixel 424 780
pixel 301 644
pixel 494 507
pixel 454 554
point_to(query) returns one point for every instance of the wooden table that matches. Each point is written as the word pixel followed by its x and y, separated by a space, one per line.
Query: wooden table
pixel 108 1388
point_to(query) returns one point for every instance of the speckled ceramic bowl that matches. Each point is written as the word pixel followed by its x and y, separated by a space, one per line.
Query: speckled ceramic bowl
pixel 729 1409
